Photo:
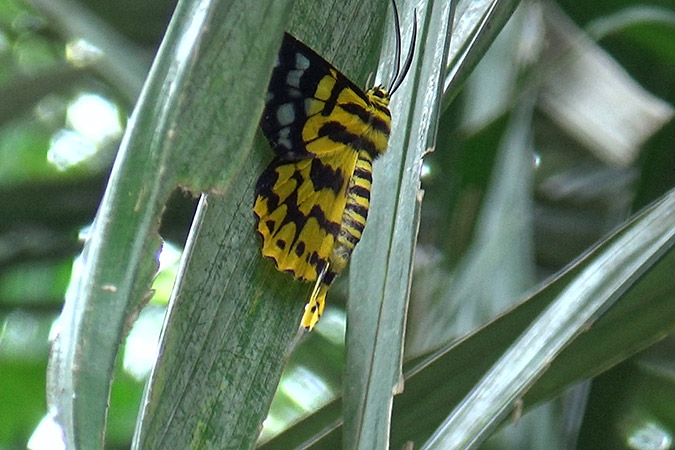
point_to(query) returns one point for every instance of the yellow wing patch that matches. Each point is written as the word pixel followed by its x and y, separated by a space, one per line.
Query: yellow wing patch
pixel 299 206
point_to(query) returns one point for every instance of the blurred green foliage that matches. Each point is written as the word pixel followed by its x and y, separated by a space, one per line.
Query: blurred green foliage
pixel 578 193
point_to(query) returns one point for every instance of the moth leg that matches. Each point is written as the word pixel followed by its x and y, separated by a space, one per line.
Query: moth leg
pixel 317 301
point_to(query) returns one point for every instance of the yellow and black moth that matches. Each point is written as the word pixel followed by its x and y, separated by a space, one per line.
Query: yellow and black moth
pixel 312 201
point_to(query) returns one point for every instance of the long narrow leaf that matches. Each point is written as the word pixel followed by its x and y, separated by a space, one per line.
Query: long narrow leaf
pixel 323 428
pixel 233 317
pixel 382 268
pixel 170 140
pixel 478 23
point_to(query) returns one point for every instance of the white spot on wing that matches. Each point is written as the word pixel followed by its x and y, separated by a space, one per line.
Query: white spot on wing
pixel 301 61
pixel 293 78
pixel 286 114
pixel 285 143
pixel 284 132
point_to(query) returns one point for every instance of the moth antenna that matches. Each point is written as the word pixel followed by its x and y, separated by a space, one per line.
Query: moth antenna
pixel 408 62
pixel 397 27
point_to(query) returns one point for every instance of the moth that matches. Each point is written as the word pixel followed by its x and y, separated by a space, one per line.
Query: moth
pixel 312 201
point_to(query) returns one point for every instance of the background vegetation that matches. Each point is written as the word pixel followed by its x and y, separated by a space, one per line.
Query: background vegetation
pixel 563 131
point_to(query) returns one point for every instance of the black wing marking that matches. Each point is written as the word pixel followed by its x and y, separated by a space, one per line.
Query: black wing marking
pixel 293 85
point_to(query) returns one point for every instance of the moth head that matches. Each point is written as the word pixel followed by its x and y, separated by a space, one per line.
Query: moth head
pixel 378 96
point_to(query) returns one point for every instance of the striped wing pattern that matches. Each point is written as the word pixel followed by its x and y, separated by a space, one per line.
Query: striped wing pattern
pixel 312 200
pixel 299 207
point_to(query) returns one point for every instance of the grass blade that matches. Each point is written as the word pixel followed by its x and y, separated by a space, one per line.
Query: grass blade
pixel 233 316
pixel 382 266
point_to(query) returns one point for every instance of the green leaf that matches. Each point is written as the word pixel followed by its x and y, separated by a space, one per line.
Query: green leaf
pixel 183 131
pixel 229 330
pixel 477 24
pixel 614 269
pixel 381 270
pixel 382 265
pixel 227 335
